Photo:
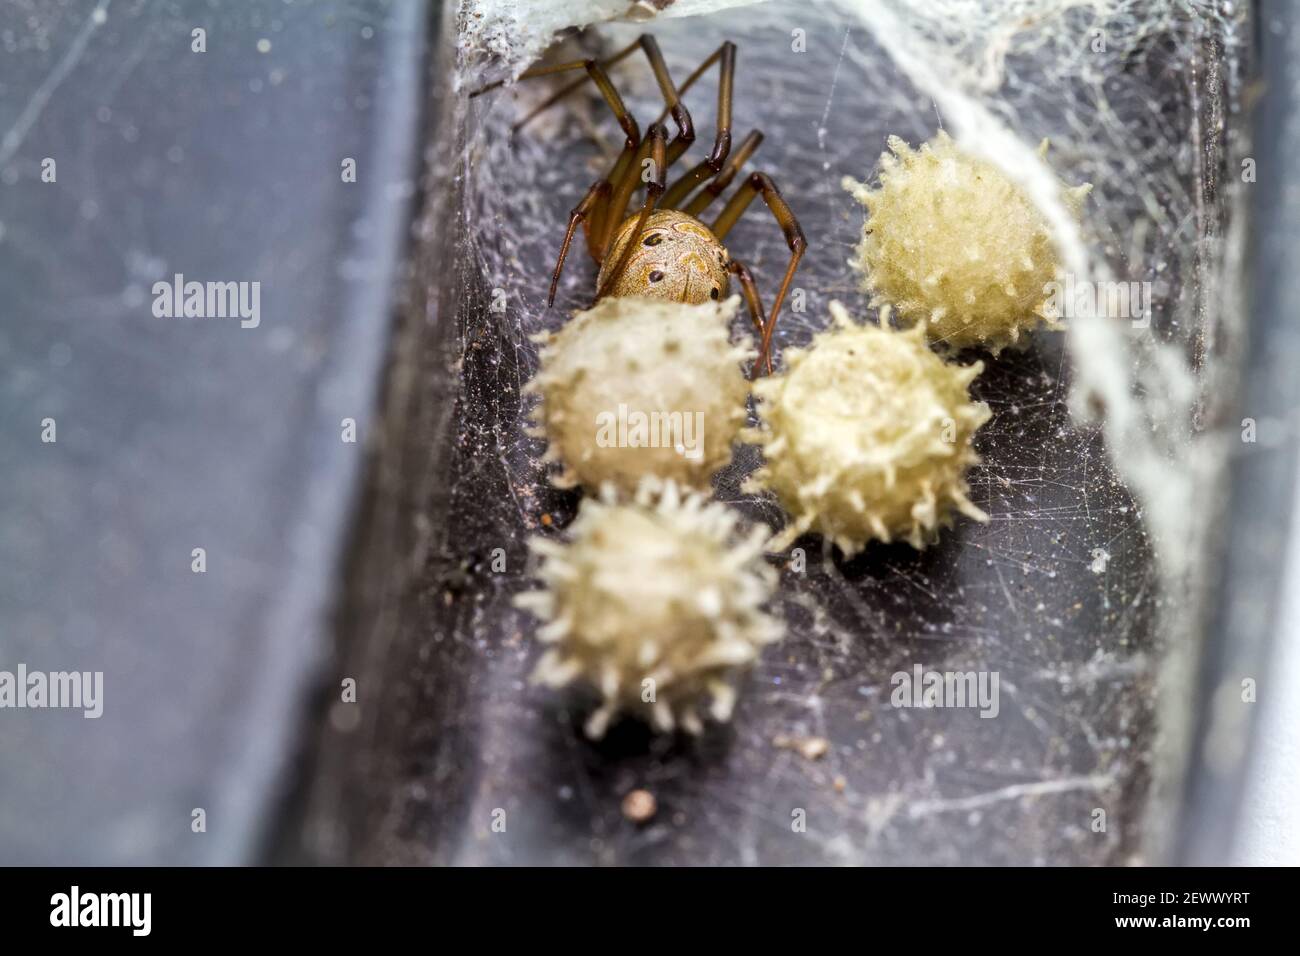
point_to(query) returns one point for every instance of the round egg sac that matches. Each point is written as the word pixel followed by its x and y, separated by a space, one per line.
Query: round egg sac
pixel 954 246
pixel 867 435
pixel 634 387
pixel 656 603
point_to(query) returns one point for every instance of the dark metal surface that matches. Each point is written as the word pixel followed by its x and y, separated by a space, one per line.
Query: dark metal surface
pixel 1244 607
pixel 1057 593
pixel 175 434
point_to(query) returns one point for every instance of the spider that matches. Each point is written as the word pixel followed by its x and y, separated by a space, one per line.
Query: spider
pixel 664 250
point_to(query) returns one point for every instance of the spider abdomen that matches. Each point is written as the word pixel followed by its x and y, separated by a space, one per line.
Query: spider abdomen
pixel 677 258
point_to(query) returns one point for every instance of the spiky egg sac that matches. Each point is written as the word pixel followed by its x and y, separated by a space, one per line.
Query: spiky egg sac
pixel 955 246
pixel 867 435
pixel 656 603
pixel 634 387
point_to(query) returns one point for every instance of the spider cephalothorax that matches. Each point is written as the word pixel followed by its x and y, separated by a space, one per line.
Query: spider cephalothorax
pixel 664 250
pixel 677 258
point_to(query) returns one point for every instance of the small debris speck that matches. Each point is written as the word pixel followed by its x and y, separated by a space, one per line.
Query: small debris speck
pixel 639 806
pixel 810 748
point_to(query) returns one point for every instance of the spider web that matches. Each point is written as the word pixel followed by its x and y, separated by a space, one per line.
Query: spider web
pixel 1072 592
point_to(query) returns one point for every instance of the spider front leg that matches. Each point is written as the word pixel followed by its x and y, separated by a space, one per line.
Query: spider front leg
pixel 761 184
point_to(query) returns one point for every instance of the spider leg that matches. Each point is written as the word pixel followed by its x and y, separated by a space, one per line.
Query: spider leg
pixel 719 183
pixel 749 291
pixel 626 179
pixel 699 71
pixel 602 210
pixel 563 91
pixel 650 46
pixel 597 74
pixel 673 105
pixel 761 184
pixel 593 224
pixel 639 170
pixel 591 211
pixel 582 213
pixel 654 151
pixel 725 56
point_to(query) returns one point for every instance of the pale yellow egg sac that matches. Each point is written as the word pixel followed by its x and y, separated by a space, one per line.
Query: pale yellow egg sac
pixel 634 387
pixel 955 246
pixel 656 603
pixel 867 435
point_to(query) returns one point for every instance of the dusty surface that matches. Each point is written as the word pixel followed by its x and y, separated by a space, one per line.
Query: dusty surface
pixel 1056 594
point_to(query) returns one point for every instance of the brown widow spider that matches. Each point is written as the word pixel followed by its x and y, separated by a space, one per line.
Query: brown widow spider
pixel 664 251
